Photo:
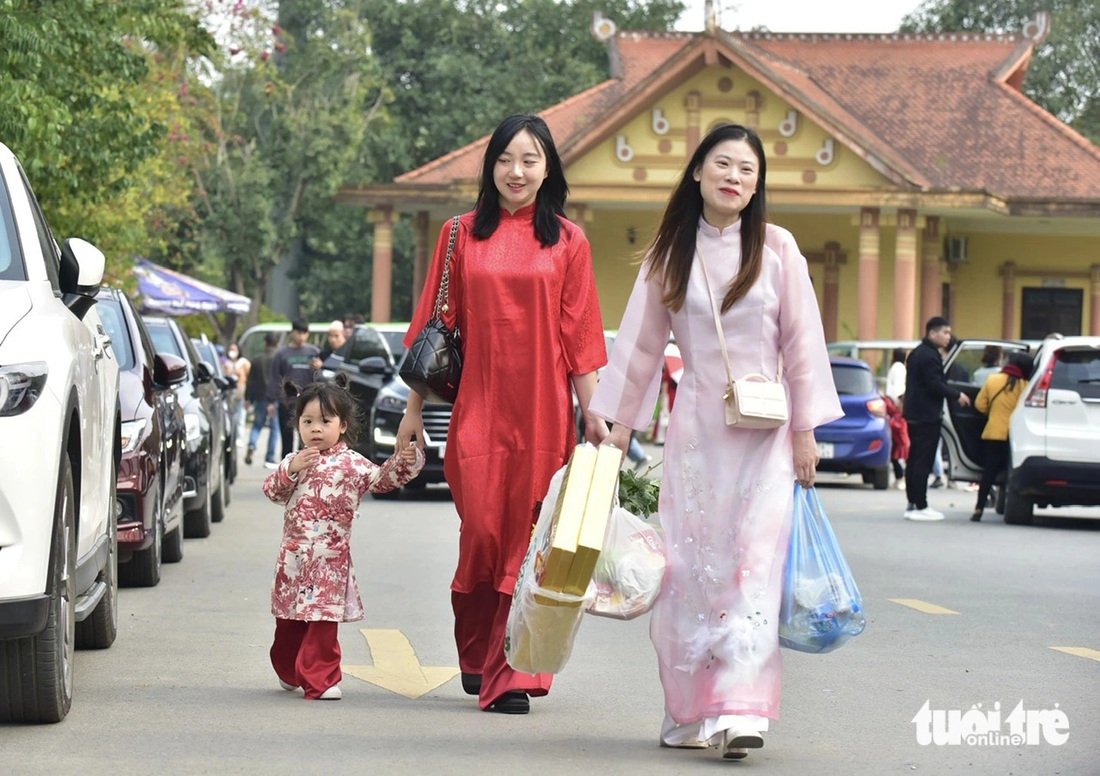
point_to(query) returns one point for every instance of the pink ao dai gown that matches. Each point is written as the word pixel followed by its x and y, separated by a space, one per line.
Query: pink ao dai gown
pixel 726 493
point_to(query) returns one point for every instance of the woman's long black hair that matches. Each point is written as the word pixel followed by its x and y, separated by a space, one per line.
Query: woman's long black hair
pixel 550 201
pixel 673 250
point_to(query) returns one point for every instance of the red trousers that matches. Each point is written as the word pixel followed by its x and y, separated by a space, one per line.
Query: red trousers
pixel 481 619
pixel 307 654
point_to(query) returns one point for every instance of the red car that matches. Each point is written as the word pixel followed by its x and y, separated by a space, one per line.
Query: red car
pixel 149 497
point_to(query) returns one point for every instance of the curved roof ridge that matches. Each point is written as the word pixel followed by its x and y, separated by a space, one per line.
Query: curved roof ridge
pixel 921 37
pixel 411 175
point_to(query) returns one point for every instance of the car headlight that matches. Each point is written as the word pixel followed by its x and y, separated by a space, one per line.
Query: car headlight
pixel 131 434
pixel 388 401
pixel 194 429
pixel 20 386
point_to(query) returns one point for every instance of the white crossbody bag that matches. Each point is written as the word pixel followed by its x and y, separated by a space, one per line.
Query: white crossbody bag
pixel 754 401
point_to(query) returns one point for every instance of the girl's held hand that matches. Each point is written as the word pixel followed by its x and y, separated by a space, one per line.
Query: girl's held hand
pixel 408 453
pixel 805 458
pixel 305 458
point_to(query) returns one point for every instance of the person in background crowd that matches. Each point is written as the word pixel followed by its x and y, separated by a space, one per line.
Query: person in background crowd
pixel 336 340
pixel 926 388
pixel 992 356
pixel 236 364
pixel 255 397
pixel 351 320
pixel 998 398
pixel 899 431
pixel 520 273
pixel 727 493
pixel 292 362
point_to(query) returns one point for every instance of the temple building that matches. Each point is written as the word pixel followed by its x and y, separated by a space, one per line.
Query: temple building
pixel 916 177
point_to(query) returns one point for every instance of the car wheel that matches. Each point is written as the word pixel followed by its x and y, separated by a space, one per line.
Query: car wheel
pixel 217 505
pixel 868 476
pixel 196 523
pixel 173 546
pixel 1018 509
pixel 36 673
pixel 999 501
pixel 880 478
pixel 99 629
pixel 416 484
pixel 143 569
pixel 391 495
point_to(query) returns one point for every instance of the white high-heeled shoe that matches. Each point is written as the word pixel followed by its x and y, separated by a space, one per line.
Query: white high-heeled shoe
pixel 737 741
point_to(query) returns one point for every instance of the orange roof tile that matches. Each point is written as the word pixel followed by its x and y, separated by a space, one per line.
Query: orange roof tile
pixel 932 112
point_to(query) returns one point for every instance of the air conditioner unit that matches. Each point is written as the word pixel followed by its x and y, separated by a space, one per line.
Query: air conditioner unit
pixel 957 250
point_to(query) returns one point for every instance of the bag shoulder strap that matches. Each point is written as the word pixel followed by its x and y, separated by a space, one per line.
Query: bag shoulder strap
pixel 717 321
pixel 445 283
pixel 718 326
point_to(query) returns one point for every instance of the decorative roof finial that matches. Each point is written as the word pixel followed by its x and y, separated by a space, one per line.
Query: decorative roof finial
pixel 710 16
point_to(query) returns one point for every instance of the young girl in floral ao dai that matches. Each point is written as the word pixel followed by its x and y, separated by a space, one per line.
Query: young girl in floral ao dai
pixel 315 587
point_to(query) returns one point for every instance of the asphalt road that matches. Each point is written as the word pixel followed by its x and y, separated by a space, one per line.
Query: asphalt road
pixel 959 614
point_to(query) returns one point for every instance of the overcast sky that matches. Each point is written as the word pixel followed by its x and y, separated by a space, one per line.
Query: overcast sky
pixel 802 15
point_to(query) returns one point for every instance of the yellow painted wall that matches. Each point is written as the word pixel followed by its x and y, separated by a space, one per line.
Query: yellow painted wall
pixel 656 139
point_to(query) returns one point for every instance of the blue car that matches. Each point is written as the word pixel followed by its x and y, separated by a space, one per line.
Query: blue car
pixel 860 441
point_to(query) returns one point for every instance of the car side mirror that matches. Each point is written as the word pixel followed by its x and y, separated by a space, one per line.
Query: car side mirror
pixel 375 365
pixel 81 274
pixel 169 369
pixel 204 372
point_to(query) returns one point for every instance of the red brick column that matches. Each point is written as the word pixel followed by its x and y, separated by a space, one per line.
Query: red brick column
pixel 868 273
pixel 382 280
pixel 931 251
pixel 905 274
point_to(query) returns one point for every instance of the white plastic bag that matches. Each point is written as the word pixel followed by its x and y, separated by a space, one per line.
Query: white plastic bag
pixel 542 624
pixel 630 569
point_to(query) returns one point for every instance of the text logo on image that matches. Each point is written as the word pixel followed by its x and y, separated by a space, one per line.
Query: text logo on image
pixel 978 727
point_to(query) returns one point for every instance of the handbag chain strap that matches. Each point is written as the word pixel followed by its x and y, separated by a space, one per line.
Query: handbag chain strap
pixel 721 334
pixel 445 284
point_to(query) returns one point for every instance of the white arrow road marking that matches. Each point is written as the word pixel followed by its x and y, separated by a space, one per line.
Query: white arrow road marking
pixel 396 667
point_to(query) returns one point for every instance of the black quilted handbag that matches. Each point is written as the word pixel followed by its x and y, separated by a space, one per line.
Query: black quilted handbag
pixel 433 364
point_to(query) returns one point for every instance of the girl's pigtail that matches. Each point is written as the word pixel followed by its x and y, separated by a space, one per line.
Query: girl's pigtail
pixel 290 392
pixel 342 380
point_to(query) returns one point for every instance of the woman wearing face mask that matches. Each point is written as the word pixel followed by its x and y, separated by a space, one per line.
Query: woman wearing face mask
pixel 236 364
pixel 726 492
pixel 523 295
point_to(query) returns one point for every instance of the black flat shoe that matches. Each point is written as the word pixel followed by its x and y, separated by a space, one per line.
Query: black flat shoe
pixel 974 518
pixel 471 684
pixel 511 703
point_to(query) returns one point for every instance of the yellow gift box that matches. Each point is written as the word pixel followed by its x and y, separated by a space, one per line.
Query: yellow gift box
pixel 554 555
pixel 593 528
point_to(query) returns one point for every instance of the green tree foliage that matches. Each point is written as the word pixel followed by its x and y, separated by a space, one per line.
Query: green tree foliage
pixel 80 103
pixel 457 68
pixel 1064 74
pixel 292 110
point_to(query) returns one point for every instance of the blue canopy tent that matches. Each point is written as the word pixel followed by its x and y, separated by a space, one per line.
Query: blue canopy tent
pixel 168 292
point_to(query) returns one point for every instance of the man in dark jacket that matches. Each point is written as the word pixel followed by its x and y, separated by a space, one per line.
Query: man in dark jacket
pixel 925 390
pixel 292 362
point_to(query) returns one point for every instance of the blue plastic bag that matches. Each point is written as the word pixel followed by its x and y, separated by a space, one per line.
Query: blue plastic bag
pixel 821 607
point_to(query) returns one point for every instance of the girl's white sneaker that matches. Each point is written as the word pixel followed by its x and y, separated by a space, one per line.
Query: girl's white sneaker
pixel 286 686
pixel 331 694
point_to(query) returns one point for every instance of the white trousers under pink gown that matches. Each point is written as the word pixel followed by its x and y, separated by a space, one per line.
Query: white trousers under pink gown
pixel 726 493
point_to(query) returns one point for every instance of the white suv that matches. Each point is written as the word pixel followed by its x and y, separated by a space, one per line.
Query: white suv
pixel 1055 431
pixel 59 422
